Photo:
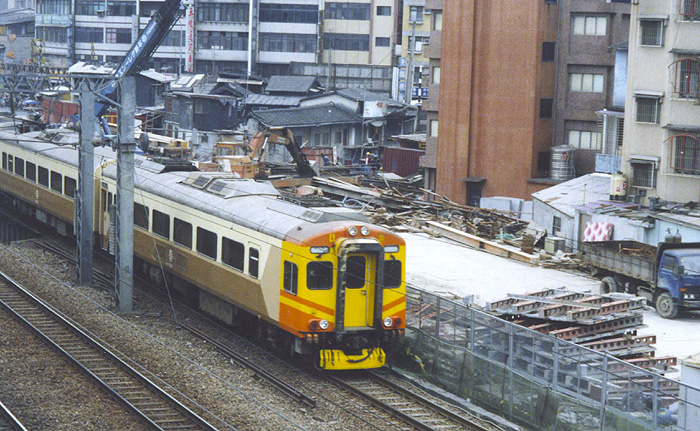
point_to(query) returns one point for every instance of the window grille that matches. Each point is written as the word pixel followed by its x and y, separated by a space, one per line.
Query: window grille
pixel 687 72
pixel 690 10
pixel 643 174
pixel 651 32
pixel 686 154
pixel 648 109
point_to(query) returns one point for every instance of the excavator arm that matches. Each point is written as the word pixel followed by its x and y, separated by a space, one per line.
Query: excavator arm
pixel 282 136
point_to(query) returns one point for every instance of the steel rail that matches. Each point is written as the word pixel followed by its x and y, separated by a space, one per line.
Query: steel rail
pixel 263 373
pixel 405 405
pixel 8 421
pixel 139 394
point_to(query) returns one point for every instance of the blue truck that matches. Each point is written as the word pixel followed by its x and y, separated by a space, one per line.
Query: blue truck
pixel 668 276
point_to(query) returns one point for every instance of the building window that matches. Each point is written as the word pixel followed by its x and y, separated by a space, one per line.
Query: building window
pixel 546 108
pixel 382 41
pixel 651 32
pixel 687 72
pixel 291 277
pixel 206 243
pixel 238 12
pixel 585 140
pixel 288 42
pixel 590 25
pixel 223 40
pixel 89 35
pixel 548 52
pixel 690 10
pixel 416 14
pixel 643 174
pixel 436 74
pixel 586 82
pixel 556 225
pixel 686 154
pixel 648 109
pixel 437 21
pixel 383 10
pixel 434 128
pixel 347 11
pixel 346 42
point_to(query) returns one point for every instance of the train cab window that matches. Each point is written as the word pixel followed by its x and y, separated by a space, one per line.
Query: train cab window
pixel 161 224
pixel 4 161
pixel 56 182
pixel 232 253
pixel 182 232
pixel 19 166
pixel 10 163
pixel 392 273
pixel 30 171
pixel 291 277
pixel 69 186
pixel 253 262
pixel 140 215
pixel 206 242
pixel 319 275
pixel 43 176
pixel 355 275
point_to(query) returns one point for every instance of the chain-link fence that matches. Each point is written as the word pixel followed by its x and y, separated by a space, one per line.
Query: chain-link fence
pixel 536 379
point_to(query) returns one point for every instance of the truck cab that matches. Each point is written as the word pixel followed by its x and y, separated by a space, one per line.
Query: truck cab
pixel 678 281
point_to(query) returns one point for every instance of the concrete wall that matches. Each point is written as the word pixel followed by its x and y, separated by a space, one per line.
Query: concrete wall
pixel 489 106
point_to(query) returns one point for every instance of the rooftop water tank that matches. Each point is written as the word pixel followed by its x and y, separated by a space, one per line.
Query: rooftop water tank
pixel 562 163
pixel 618 187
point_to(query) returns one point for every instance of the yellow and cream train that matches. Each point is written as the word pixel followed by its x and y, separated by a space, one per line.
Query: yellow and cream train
pixel 320 282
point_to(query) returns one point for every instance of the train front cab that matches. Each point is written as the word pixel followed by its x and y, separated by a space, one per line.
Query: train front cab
pixel 350 324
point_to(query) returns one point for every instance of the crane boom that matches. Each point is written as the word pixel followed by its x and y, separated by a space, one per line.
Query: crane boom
pixel 148 41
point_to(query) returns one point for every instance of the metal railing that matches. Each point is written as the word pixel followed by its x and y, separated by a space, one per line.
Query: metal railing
pixel 535 378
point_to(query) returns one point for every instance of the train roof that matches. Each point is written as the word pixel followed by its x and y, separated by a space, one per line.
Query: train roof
pixel 64 152
pixel 250 203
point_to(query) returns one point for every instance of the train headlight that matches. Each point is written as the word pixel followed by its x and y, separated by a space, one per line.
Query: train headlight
pixel 388 322
pixel 364 230
pixel 391 249
pixel 323 324
pixel 320 250
pixel 352 231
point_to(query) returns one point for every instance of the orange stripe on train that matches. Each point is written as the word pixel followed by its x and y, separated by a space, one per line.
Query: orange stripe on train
pixel 308 303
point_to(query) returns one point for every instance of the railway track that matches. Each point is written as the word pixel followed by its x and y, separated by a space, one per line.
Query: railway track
pixel 406 406
pixel 137 393
pixel 8 421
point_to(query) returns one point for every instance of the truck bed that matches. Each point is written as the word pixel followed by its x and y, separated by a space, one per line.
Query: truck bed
pixel 630 258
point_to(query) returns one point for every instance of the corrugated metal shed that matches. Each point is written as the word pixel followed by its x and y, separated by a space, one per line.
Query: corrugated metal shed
pixel 578 191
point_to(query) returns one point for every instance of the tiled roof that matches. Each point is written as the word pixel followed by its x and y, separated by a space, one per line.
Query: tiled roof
pixel 301 117
pixel 271 100
pixel 290 84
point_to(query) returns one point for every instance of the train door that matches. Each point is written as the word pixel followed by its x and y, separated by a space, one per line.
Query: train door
pixel 106 202
pixel 360 289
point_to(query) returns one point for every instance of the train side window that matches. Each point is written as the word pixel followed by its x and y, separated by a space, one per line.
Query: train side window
pixel 43 176
pixel 319 275
pixel 206 242
pixel 392 273
pixel 161 224
pixel 31 172
pixel 253 262
pixel 4 161
pixel 10 163
pixel 69 186
pixel 19 166
pixel 355 272
pixel 56 182
pixel 232 253
pixel 291 277
pixel 140 215
pixel 182 232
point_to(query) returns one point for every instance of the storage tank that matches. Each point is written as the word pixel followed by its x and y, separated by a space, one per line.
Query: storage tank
pixel 562 163
pixel 618 187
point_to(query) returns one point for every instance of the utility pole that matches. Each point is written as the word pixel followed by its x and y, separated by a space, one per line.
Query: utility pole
pixel 86 185
pixel 409 68
pixel 126 147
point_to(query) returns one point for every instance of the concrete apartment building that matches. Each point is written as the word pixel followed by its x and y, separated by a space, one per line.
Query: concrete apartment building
pixel 496 109
pixel 356 32
pixel 590 54
pixel 661 149
pixel 431 105
pixel 413 68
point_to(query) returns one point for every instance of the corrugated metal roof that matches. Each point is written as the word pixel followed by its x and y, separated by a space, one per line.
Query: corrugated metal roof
pixel 565 197
pixel 311 116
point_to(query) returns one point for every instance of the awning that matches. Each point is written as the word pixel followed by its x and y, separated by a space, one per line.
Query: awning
pixel 474 180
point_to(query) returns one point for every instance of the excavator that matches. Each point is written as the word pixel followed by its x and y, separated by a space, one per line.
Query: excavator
pixel 255 153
